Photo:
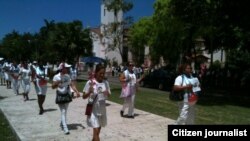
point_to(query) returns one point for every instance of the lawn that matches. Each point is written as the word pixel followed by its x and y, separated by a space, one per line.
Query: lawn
pixel 212 108
pixel 6 133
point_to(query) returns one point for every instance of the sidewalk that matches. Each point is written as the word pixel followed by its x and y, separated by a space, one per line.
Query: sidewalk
pixel 29 126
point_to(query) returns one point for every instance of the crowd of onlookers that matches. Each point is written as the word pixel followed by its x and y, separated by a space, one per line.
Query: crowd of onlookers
pixel 117 70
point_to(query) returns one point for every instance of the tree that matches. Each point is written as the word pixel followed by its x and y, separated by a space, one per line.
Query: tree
pixel 219 21
pixel 16 46
pixel 65 41
pixel 139 36
pixel 10 45
pixel 54 42
pixel 170 34
pixel 44 42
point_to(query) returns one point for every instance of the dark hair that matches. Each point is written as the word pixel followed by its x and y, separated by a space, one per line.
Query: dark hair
pixel 182 68
pixel 99 67
pixel 130 63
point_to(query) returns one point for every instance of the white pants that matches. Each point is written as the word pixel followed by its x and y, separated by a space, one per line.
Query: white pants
pixel 187 114
pixel 26 85
pixel 6 76
pixel 129 102
pixel 63 109
pixel 15 85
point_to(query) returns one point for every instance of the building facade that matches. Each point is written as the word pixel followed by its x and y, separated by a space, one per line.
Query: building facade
pixel 102 38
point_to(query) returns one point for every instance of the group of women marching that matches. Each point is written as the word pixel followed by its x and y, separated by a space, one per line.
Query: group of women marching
pixel 96 90
pixel 14 75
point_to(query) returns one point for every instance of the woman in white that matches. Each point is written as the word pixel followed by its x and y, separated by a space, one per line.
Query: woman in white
pixel 14 73
pixel 129 88
pixel 62 82
pixel 6 71
pixel 97 90
pixel 183 83
pixel 25 73
pixel 41 81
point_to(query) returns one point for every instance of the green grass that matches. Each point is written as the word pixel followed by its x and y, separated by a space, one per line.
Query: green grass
pixel 6 133
pixel 211 108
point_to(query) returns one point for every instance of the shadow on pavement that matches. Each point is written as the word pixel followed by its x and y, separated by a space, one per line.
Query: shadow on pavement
pixel 2 97
pixel 32 99
pixel 49 110
pixel 75 126
pixel 108 104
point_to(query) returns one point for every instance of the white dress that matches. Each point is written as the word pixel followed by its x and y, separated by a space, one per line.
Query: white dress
pixel 25 79
pixel 65 82
pixel 6 67
pixel 129 87
pixel 98 118
pixel 41 84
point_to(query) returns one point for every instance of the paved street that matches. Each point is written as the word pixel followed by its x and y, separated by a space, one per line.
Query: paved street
pixel 29 126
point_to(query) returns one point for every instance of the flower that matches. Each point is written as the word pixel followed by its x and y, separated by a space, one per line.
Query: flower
pixel 92 77
pixel 192 98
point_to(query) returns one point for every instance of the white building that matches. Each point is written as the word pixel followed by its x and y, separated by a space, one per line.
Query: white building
pixel 100 38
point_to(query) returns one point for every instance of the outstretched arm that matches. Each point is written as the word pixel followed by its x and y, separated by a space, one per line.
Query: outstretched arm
pixel 55 84
pixel 75 89
pixel 90 90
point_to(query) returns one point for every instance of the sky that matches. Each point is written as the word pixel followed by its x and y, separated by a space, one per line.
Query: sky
pixel 28 15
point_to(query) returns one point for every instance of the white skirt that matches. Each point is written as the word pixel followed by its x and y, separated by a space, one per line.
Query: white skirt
pixel 98 118
pixel 6 76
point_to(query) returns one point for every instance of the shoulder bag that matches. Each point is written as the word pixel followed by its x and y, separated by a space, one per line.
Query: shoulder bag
pixel 62 98
pixel 177 95
pixel 89 107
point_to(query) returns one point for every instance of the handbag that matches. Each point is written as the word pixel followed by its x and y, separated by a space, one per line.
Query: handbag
pixel 126 91
pixel 62 98
pixel 177 95
pixel 89 107
pixel 192 98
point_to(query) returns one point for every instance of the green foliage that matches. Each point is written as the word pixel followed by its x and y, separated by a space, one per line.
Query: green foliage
pixel 170 36
pixel 219 21
pixel 139 36
pixel 54 42
pixel 16 46
pixel 70 40
pixel 117 5
pixel 238 60
pixel 216 65
pixel 178 23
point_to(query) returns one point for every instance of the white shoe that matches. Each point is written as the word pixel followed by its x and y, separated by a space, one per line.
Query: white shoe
pixel 66 132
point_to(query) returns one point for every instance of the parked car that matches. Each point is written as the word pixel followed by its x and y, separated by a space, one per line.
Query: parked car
pixel 159 79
